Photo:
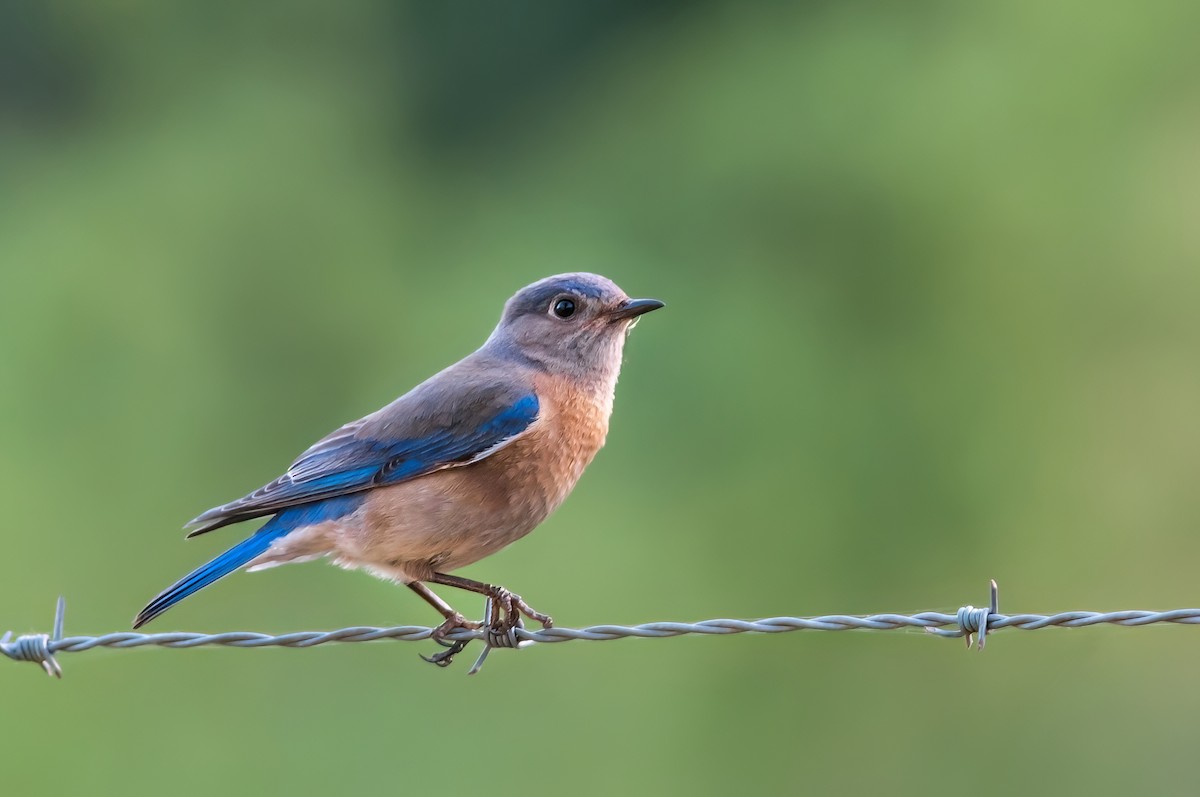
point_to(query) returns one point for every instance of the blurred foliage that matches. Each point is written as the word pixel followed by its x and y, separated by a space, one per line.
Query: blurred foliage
pixel 932 286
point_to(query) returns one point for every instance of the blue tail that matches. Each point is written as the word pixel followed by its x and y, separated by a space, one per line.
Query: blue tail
pixel 286 521
pixel 206 574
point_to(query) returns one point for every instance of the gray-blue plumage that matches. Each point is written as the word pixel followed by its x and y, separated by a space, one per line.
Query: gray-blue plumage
pixel 436 425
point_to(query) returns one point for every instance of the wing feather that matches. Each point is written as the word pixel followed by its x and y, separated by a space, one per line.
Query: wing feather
pixel 426 430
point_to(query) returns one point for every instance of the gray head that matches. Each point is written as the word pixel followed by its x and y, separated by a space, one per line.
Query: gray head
pixel 573 324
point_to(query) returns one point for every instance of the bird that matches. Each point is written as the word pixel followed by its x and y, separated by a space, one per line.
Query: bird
pixel 459 467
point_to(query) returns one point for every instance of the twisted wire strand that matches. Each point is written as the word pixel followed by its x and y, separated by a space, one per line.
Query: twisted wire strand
pixel 968 621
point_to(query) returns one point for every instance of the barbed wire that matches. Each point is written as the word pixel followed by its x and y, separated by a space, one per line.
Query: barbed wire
pixel 967 622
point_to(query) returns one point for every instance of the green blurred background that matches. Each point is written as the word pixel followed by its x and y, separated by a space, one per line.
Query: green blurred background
pixel 932 281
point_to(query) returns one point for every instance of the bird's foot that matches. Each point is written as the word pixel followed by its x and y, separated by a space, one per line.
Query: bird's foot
pixel 506 610
pixel 453 623
pixel 504 613
pixel 452 647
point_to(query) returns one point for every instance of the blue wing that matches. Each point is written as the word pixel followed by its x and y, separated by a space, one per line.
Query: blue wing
pixel 440 424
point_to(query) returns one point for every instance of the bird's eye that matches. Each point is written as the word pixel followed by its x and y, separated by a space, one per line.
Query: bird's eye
pixel 564 308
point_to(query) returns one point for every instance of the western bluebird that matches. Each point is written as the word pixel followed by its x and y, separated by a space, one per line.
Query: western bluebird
pixel 465 463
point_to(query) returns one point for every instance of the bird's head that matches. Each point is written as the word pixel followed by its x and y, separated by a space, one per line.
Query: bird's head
pixel 574 324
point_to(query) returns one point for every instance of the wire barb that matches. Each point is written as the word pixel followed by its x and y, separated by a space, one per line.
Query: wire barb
pixel 968 622
pixel 973 621
pixel 37 647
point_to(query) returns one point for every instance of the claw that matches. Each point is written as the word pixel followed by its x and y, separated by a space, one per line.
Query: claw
pixel 513 607
pixel 452 647
pixel 446 657
pixel 453 623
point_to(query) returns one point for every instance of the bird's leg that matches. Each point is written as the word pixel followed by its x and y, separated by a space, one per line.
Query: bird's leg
pixel 502 600
pixel 453 621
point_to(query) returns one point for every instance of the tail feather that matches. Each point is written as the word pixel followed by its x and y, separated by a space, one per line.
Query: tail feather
pixel 206 574
pixel 290 519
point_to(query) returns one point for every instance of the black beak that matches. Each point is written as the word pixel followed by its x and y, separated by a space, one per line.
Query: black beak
pixel 634 308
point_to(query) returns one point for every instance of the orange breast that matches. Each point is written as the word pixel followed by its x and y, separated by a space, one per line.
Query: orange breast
pixel 541 467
